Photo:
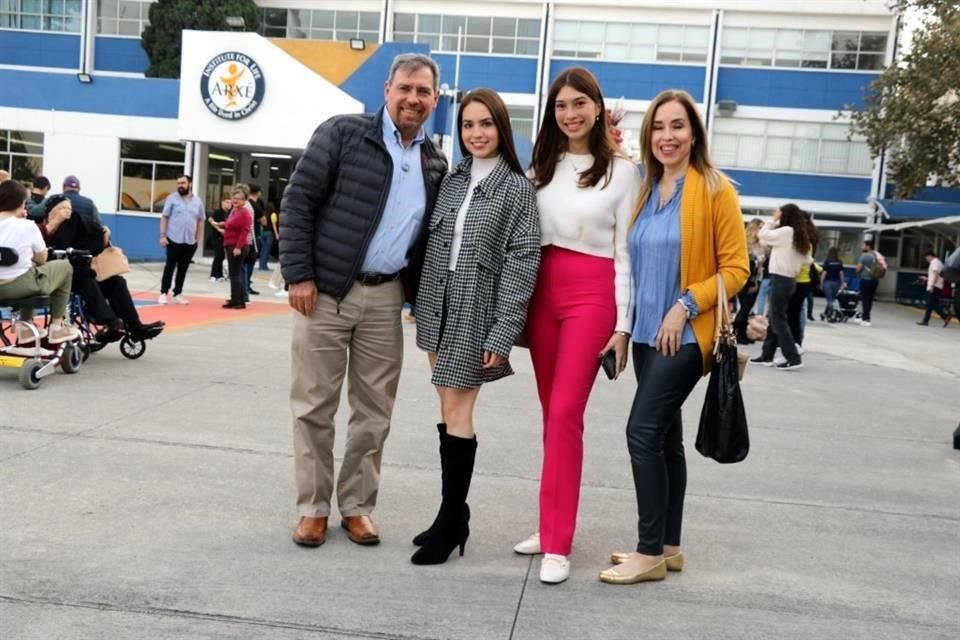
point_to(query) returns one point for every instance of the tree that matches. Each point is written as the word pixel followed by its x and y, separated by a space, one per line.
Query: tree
pixel 162 40
pixel 913 109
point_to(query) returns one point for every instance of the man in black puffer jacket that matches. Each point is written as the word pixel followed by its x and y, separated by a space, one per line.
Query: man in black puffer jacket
pixel 352 235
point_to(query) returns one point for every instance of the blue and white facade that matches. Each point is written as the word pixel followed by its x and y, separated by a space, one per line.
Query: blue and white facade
pixel 772 79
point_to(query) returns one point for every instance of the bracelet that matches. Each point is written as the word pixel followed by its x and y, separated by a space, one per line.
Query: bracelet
pixel 686 309
pixel 625 334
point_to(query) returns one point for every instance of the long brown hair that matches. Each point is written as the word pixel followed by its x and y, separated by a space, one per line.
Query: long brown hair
pixel 501 120
pixel 699 153
pixel 793 216
pixel 551 141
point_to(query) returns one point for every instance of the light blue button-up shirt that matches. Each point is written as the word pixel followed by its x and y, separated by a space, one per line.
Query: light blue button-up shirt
pixel 654 243
pixel 182 217
pixel 406 203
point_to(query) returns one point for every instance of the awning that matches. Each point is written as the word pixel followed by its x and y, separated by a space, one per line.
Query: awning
pixel 917 209
pixel 948 224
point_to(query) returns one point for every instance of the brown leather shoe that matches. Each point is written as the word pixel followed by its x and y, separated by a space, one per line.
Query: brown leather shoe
pixel 360 530
pixel 310 532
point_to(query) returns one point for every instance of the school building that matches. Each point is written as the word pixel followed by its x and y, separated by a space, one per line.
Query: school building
pixel 772 80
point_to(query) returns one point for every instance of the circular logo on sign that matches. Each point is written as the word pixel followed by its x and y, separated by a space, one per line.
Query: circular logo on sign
pixel 232 85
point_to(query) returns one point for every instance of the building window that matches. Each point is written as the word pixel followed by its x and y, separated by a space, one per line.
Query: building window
pixel 123 17
pixel 148 173
pixel 777 145
pixel 320 24
pixel 41 15
pixel 521 121
pixel 799 48
pixel 481 34
pixel 629 42
pixel 21 154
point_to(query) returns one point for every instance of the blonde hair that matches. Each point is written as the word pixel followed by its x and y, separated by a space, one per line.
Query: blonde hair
pixel 753 232
pixel 699 154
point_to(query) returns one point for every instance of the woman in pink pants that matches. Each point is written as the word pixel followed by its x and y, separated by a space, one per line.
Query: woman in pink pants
pixel 586 194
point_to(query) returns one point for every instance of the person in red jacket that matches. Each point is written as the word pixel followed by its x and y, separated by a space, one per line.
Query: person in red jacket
pixel 236 244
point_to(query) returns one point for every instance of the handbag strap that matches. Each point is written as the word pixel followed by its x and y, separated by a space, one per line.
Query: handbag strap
pixel 723 327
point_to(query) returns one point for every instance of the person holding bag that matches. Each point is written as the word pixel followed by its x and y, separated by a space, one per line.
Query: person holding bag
pixel 586 193
pixel 479 270
pixel 687 230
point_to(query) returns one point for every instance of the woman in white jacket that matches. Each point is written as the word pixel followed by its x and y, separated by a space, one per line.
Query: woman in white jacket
pixel 788 236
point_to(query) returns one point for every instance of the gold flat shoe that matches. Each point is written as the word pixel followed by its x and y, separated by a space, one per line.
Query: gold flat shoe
pixel 674 562
pixel 610 576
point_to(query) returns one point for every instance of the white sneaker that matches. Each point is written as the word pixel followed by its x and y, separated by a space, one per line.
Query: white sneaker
pixel 799 349
pixel 180 300
pixel 779 360
pixel 530 546
pixel 864 323
pixel 163 299
pixel 282 294
pixel 212 279
pixel 554 569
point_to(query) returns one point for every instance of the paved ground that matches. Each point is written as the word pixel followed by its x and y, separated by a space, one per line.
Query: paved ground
pixel 154 499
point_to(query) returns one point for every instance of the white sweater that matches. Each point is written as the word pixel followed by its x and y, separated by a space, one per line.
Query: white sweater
pixel 785 260
pixel 593 220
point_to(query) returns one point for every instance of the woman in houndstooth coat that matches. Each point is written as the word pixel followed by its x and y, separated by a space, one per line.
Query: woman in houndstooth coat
pixel 483 251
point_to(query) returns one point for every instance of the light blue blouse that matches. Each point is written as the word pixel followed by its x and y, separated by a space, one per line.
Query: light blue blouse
pixel 655 265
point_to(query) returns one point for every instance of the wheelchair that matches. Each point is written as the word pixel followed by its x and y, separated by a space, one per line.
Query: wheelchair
pixel 94 337
pixel 37 361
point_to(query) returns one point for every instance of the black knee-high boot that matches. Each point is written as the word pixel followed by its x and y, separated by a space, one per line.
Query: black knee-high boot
pixel 422 537
pixel 452 527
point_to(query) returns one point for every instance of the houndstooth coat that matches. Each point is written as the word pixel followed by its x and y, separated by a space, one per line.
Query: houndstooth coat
pixel 486 301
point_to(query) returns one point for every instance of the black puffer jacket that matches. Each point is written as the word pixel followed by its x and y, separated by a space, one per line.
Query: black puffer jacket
pixel 335 199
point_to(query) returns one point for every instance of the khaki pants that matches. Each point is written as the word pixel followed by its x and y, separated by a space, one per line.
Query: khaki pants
pixel 49 279
pixel 365 341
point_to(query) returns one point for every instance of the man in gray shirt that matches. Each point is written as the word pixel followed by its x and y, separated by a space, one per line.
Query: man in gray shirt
pixel 180 225
pixel 866 267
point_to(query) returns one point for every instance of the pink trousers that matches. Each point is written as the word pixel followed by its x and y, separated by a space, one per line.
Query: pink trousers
pixel 571 317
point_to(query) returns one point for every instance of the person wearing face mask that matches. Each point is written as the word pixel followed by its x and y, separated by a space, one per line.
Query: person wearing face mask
pixel 353 220
pixel 687 232
pixel 180 225
pixel 479 270
pixel 580 309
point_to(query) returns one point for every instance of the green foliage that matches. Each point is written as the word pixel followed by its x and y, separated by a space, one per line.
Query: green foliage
pixel 913 109
pixel 162 40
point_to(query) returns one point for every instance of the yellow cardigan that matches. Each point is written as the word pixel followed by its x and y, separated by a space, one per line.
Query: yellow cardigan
pixel 712 240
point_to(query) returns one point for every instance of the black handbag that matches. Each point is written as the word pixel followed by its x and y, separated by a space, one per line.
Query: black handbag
pixel 722 434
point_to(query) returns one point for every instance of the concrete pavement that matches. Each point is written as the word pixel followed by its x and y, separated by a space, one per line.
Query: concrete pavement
pixel 154 499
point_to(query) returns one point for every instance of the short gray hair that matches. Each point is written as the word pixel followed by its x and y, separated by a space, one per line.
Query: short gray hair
pixel 411 62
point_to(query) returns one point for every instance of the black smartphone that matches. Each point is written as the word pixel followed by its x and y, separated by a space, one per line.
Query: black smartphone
pixel 608 362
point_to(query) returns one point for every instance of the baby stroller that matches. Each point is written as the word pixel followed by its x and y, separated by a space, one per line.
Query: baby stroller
pixel 846 307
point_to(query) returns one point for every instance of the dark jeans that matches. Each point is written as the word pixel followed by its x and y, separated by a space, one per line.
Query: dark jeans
pixel 178 257
pixel 795 311
pixel 933 304
pixel 746 300
pixel 781 291
pixel 266 244
pixel 238 285
pixel 868 289
pixel 216 269
pixel 655 442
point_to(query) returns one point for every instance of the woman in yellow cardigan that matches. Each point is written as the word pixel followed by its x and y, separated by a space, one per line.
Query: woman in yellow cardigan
pixel 688 229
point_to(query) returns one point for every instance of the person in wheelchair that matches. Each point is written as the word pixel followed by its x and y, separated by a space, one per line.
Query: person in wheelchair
pixel 25 272
pixel 108 303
